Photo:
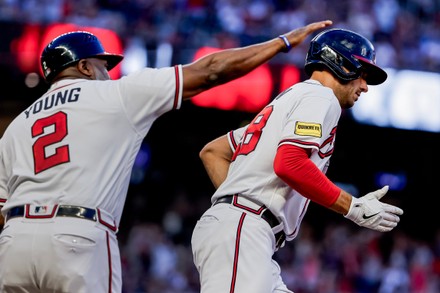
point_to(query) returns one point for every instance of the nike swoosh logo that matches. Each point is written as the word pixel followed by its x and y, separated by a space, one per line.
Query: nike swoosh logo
pixel 364 216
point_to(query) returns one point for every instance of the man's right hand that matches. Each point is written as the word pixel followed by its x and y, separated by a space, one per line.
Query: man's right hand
pixel 297 36
pixel 367 211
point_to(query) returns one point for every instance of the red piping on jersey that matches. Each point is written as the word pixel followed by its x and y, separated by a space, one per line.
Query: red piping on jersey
pixel 300 142
pixel 257 212
pixel 237 249
pixel 2 200
pixel 108 225
pixel 109 257
pixel 321 154
pixel 176 96
pixel 231 136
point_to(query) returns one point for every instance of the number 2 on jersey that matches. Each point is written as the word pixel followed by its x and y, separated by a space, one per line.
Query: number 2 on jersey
pixel 253 133
pixel 59 123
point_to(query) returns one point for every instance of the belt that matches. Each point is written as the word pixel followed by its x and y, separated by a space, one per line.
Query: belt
pixel 62 211
pixel 266 215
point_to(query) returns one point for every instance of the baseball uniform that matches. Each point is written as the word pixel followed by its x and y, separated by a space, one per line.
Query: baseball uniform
pixel 72 152
pixel 253 210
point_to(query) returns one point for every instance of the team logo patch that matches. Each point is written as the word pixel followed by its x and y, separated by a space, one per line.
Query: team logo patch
pixel 309 129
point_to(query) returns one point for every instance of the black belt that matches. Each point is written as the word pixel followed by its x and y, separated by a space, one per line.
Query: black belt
pixel 266 215
pixel 62 211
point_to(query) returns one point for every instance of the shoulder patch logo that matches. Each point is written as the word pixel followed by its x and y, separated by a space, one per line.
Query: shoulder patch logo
pixel 308 129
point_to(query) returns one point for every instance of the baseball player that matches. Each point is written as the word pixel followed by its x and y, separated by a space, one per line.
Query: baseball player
pixel 267 172
pixel 66 160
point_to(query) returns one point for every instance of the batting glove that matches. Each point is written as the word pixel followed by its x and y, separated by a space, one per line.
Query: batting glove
pixel 367 211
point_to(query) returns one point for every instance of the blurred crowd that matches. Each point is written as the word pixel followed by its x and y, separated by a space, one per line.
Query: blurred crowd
pixel 406 32
pixel 344 259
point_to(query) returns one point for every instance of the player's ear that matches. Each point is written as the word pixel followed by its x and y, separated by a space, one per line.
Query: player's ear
pixel 85 68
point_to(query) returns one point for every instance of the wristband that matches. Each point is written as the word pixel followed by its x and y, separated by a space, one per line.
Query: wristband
pixel 286 42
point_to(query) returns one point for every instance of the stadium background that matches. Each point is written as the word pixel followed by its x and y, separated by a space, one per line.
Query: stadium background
pixel 169 188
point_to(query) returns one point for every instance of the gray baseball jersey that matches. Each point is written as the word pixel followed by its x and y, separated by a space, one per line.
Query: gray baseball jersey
pixel 72 151
pixel 305 115
pixel 78 142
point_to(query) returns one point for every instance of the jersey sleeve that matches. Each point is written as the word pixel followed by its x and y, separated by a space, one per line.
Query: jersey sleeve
pixel 234 137
pixel 311 122
pixel 149 93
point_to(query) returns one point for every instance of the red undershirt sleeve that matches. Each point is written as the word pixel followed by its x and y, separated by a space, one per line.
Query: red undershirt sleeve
pixel 293 166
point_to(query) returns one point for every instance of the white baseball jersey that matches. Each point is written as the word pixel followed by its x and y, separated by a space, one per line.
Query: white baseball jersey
pixel 76 144
pixel 305 115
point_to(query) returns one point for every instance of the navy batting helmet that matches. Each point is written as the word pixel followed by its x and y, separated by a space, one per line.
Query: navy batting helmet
pixel 68 48
pixel 346 54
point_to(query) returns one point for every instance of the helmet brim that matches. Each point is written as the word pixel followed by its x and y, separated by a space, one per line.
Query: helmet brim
pixel 375 74
pixel 112 59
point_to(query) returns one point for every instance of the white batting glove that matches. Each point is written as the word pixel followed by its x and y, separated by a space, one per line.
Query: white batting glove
pixel 367 211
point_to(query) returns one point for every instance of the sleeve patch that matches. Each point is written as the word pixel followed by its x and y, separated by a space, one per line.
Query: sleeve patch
pixel 308 129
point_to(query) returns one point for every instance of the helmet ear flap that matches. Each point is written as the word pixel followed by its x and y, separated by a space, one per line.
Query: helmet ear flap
pixel 330 55
pixel 313 58
pixel 345 69
pixel 327 57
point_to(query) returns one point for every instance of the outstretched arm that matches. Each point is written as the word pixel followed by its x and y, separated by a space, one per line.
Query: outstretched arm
pixel 293 166
pixel 221 67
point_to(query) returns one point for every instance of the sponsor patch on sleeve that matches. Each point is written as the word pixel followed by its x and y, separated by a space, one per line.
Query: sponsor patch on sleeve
pixel 308 129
